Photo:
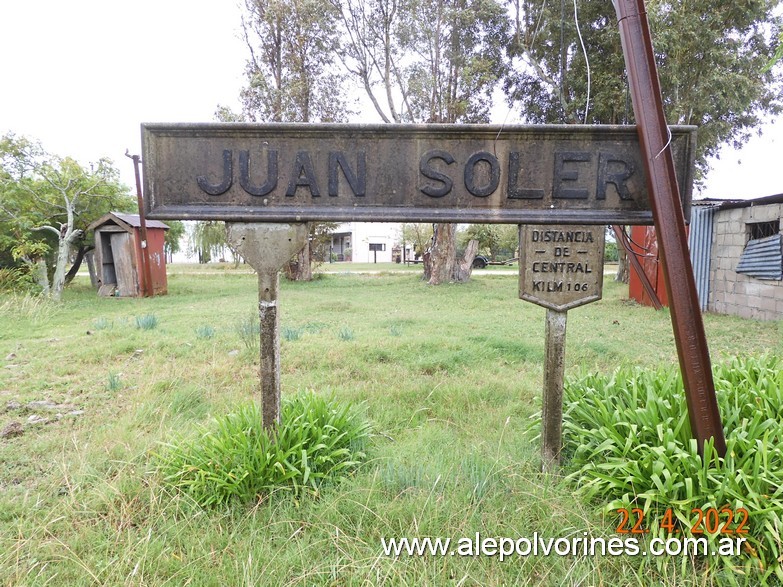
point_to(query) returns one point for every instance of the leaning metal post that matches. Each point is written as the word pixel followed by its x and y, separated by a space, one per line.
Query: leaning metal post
pixel 689 335
pixel 267 247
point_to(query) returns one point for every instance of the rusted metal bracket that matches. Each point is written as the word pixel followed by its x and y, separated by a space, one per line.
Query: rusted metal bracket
pixel 689 335
pixel 147 289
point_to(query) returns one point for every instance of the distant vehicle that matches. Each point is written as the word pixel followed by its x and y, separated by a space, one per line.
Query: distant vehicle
pixel 480 261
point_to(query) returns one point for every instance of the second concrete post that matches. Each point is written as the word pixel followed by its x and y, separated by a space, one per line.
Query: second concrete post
pixel 267 248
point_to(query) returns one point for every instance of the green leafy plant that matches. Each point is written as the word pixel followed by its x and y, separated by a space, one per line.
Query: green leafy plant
pixel 237 460
pixel 147 322
pixel 15 279
pixel 627 443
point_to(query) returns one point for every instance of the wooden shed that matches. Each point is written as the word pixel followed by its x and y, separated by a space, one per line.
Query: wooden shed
pixel 118 255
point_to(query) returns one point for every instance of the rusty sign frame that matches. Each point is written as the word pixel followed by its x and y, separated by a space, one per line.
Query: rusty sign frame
pixel 288 172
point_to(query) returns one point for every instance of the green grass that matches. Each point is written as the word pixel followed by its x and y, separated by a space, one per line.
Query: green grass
pixel 450 378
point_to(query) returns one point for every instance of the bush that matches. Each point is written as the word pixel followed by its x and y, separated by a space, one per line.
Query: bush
pixel 627 443
pixel 15 279
pixel 237 460
pixel 611 254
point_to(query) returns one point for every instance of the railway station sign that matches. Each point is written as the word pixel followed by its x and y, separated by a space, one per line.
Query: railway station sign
pixel 566 174
pixel 561 267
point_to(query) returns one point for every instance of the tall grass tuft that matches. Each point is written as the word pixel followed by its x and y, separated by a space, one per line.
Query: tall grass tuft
pixel 147 322
pixel 291 334
pixel 345 333
pixel 205 332
pixel 102 323
pixel 114 382
pixel 15 279
pixel 627 443
pixel 237 460
pixel 249 331
pixel 32 307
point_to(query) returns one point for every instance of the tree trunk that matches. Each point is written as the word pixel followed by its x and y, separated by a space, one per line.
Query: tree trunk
pixel 83 250
pixel 89 258
pixel 67 237
pixel 427 264
pixel 464 267
pixel 299 268
pixel 440 260
pixel 442 254
pixel 622 265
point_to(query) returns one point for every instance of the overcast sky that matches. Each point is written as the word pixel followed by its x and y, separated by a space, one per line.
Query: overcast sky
pixel 80 76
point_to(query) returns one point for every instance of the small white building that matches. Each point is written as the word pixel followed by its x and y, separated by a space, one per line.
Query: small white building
pixel 367 242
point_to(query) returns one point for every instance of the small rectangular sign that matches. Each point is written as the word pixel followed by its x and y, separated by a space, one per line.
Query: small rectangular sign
pixel 402 173
pixel 561 267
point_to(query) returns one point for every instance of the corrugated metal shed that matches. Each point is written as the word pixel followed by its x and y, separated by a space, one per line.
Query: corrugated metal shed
pixel 763 258
pixel 700 246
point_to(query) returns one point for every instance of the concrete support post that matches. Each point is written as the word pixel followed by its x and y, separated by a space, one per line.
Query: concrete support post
pixel 267 248
pixel 552 405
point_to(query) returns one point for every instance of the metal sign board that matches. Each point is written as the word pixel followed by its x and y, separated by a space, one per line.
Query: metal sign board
pixel 561 267
pixel 402 173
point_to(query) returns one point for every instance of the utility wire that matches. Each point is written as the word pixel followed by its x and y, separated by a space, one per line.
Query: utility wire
pixel 587 61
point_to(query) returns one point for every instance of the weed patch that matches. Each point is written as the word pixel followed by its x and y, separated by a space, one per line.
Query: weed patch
pixel 236 459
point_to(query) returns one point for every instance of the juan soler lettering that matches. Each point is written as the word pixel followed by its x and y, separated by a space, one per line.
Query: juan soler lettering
pixel 574 175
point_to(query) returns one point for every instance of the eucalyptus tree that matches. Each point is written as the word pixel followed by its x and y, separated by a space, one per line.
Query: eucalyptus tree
pixel 293 75
pixel 291 70
pixel 714 62
pixel 432 61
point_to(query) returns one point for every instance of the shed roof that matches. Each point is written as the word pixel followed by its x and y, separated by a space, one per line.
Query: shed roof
pixel 727 204
pixel 776 199
pixel 127 221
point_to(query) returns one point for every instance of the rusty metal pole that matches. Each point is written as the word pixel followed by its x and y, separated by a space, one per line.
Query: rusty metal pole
pixel 146 270
pixel 689 335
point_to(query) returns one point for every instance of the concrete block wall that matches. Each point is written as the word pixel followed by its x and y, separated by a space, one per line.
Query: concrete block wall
pixel 732 292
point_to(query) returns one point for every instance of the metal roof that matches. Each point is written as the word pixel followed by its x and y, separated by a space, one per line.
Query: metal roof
pixel 130 220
